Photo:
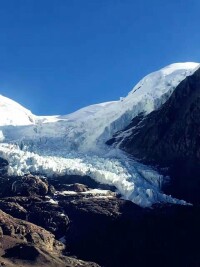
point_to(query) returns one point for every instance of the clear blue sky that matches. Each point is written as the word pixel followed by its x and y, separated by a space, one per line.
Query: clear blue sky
pixel 59 55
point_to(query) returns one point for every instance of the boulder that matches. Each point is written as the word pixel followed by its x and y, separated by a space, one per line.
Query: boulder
pixel 30 185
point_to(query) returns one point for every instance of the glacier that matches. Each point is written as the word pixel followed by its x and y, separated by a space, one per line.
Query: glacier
pixel 75 143
pixel 133 180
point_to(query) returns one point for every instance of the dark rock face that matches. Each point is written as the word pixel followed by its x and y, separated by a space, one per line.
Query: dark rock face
pixel 96 229
pixel 3 167
pixel 52 220
pixel 166 236
pixel 170 137
pixel 14 209
pixel 24 252
pixel 67 181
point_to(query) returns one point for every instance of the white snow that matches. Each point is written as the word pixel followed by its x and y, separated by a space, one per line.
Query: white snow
pixel 96 192
pixel 93 192
pixel 52 201
pixel 12 113
pixel 103 196
pixel 66 193
pixel 74 143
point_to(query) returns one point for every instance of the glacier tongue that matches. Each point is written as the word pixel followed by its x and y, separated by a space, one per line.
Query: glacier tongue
pixel 134 181
pixel 75 143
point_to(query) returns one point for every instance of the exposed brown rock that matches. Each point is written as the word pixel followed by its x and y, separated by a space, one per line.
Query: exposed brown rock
pixel 26 244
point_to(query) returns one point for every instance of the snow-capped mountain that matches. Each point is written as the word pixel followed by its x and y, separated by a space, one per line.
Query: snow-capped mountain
pixel 75 143
pixel 89 127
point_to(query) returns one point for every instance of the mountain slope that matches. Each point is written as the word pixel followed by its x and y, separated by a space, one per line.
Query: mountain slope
pixel 75 144
pixel 170 136
pixel 87 129
pixel 59 181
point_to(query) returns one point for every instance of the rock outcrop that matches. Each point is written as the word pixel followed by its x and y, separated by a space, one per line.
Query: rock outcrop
pixel 97 227
pixel 30 185
pixel 26 244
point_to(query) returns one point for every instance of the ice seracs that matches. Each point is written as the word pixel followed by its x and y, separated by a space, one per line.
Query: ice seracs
pixel 134 181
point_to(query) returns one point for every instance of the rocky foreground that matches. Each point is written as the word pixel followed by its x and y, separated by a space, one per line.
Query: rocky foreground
pixel 60 220
pixel 30 224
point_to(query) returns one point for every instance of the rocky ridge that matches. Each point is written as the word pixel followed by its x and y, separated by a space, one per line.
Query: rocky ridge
pixel 170 137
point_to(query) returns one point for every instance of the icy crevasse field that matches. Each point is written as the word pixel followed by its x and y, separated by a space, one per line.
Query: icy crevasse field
pixel 74 143
pixel 134 181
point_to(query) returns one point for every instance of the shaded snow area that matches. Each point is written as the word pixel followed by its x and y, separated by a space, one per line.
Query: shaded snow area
pixel 75 143
pixel 134 181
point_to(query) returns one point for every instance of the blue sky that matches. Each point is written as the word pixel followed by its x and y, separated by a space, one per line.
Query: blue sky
pixel 58 56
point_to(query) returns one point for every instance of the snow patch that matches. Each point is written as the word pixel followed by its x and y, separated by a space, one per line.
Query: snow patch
pixel 52 201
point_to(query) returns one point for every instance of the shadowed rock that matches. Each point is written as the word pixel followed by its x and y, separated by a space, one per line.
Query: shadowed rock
pixel 170 137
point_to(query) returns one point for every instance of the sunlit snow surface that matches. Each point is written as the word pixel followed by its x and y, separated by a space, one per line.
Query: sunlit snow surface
pixel 74 144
